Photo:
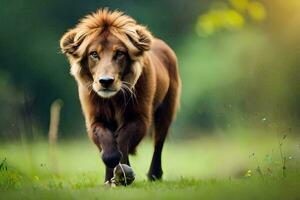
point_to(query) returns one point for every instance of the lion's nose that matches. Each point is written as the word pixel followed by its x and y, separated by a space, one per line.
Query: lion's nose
pixel 106 81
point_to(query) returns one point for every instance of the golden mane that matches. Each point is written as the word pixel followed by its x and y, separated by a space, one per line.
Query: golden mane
pixel 136 37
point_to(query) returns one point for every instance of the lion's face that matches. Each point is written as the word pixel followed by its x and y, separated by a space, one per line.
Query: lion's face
pixel 106 51
pixel 108 62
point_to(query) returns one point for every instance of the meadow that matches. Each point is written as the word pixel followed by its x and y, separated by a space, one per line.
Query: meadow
pixel 219 166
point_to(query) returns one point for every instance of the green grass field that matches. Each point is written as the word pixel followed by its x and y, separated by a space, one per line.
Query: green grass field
pixel 248 166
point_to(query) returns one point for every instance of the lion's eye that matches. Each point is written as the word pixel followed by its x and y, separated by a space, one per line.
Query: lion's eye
pixel 94 55
pixel 119 54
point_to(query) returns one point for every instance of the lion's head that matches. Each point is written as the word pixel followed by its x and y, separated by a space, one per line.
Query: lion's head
pixel 105 51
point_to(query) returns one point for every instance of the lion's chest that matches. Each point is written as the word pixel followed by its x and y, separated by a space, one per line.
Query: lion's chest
pixel 111 114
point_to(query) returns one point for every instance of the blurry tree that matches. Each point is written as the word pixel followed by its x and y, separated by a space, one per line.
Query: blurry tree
pixel 231 15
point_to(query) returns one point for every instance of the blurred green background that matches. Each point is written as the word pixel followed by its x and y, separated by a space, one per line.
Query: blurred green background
pixel 239 63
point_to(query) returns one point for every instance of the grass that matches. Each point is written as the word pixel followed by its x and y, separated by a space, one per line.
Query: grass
pixel 261 166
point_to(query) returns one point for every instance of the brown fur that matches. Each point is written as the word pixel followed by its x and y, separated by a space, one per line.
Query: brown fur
pixel 145 77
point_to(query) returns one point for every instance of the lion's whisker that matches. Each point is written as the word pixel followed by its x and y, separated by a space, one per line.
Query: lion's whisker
pixel 131 90
pixel 124 94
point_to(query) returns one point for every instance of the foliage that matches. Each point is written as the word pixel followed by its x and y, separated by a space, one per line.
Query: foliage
pixel 230 16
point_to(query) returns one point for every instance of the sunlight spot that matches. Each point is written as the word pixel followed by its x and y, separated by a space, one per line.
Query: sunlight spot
pixel 256 11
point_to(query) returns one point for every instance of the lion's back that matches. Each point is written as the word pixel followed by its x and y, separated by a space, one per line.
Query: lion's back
pixel 167 73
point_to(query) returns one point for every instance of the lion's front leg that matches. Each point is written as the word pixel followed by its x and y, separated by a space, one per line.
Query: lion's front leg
pixel 129 136
pixel 107 144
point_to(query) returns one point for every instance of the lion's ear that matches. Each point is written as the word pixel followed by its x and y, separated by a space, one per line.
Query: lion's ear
pixel 67 44
pixel 141 39
pixel 145 39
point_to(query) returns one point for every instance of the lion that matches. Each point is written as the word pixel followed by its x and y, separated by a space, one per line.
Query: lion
pixel 128 85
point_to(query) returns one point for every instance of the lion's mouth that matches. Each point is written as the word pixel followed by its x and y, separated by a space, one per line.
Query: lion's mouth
pixel 106 92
